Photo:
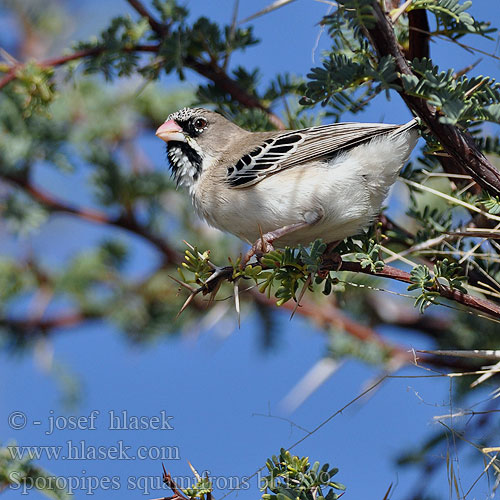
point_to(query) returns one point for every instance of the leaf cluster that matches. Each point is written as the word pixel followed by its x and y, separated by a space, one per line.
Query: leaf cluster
pixel 352 74
pixel 200 490
pixel 460 100
pixel 289 269
pixel 16 472
pixel 365 249
pixel 283 272
pixel 35 87
pixel 428 283
pixel 293 477
pixel 452 18
pixel 198 264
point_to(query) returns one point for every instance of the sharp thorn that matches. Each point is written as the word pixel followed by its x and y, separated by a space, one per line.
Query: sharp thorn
pixel 181 283
pixel 237 302
pixel 194 471
pixel 301 295
pixel 188 301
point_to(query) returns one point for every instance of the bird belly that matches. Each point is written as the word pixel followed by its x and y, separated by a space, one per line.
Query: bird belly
pixel 335 205
pixel 338 198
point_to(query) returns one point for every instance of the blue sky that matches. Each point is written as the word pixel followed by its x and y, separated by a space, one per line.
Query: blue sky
pixel 213 388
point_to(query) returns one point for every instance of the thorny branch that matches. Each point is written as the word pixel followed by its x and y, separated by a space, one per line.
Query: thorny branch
pixel 477 303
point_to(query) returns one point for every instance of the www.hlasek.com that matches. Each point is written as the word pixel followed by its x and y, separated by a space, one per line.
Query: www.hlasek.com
pixel 90 484
pixel 81 450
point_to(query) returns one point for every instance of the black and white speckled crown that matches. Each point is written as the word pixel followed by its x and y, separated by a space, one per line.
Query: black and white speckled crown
pixel 184 114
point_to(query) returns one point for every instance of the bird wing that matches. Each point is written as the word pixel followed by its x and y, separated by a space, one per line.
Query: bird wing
pixel 290 148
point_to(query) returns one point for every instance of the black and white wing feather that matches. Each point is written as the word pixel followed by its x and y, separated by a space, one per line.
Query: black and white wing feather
pixel 300 146
pixel 265 159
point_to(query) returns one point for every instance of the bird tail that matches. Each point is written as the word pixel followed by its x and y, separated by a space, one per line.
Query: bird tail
pixel 384 157
pixel 411 125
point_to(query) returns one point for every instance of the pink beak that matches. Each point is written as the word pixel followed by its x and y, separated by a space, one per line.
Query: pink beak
pixel 171 131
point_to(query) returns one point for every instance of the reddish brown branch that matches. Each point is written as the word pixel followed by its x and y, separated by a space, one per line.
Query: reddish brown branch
pixel 446 292
pixel 458 144
pixel 224 82
pixel 130 223
pixel 419 34
pixel 482 305
pixel 156 26
pixel 477 303
pixel 61 60
pixel 211 71
pixel 124 221
pixel 28 327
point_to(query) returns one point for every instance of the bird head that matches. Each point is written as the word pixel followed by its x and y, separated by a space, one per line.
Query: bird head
pixel 195 138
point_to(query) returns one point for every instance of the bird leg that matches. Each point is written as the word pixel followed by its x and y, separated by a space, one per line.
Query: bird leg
pixel 265 243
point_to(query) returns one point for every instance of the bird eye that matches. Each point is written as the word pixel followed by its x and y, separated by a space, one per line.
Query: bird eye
pixel 200 124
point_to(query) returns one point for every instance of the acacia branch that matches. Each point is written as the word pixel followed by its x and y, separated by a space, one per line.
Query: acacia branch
pixel 418 25
pixel 482 305
pixel 28 328
pixel 125 221
pixel 211 70
pixel 457 143
pixel 61 60
pixel 472 301
pixel 224 82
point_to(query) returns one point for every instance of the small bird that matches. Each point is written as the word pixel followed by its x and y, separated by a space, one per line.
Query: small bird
pixel 285 187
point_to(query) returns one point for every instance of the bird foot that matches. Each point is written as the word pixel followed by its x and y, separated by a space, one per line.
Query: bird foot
pixel 259 248
pixel 265 243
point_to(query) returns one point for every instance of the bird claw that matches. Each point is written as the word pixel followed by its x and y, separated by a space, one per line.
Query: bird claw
pixel 265 243
pixel 262 246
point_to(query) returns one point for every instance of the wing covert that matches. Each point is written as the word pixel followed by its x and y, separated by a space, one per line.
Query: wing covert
pixel 264 159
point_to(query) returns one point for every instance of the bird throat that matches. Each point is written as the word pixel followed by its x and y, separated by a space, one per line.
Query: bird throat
pixel 185 162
